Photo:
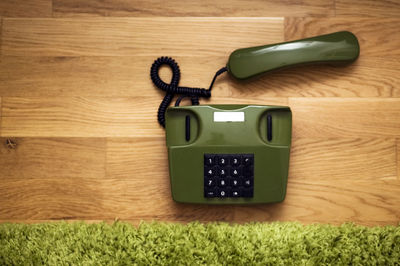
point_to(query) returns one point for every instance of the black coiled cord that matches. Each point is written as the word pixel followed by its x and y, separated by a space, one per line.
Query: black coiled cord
pixel 173 88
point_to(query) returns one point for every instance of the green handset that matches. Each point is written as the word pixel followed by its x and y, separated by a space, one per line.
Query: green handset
pixel 335 48
pixel 238 154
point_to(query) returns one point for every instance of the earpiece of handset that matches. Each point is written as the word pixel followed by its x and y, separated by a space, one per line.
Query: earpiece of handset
pixel 335 48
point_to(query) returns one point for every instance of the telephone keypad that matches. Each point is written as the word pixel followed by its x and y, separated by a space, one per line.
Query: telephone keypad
pixel 228 175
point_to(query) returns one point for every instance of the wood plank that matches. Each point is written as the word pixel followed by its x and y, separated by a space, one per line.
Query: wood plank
pixel 91 117
pixel 78 117
pixel 26 8
pixel 207 8
pixel 103 76
pixel 369 203
pixel 378 37
pixel 144 157
pixel 372 202
pixel 1 34
pixel 26 221
pixel 345 117
pixel 343 159
pixel 133 222
pixel 129 76
pixel 136 36
pixel 372 8
pixel 99 199
pixel 1 114
pixel 57 158
pixel 398 159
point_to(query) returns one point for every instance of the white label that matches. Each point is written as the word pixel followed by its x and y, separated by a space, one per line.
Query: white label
pixel 228 116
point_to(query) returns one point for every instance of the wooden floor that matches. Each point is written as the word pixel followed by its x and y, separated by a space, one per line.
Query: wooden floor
pixel 79 135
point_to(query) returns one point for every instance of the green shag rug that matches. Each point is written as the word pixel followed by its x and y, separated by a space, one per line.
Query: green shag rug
pixel 63 243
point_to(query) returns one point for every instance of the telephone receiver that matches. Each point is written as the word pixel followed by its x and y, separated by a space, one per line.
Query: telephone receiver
pixel 336 48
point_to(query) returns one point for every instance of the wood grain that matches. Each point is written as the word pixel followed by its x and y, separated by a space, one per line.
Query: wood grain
pixel 57 158
pixel 193 8
pixel 131 191
pixel 26 8
pixel 136 36
pixel 398 159
pixel 331 201
pixel 378 37
pixel 343 159
pixel 1 114
pixel 369 8
pixel 126 199
pixel 345 117
pixel 372 202
pixel 128 76
pixel 147 156
pixel 1 33
pixel 77 117
pixel 90 117
pixel 103 76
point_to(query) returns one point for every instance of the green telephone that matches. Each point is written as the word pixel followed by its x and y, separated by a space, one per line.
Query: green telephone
pixel 238 154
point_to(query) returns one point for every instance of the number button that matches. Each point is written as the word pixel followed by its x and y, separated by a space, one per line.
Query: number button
pixel 235 182
pixel 248 160
pixel 209 172
pixel 235 160
pixel 222 173
pixel 248 182
pixel 235 172
pixel 209 159
pixel 222 160
pixel 222 183
pixel 210 193
pixel 210 182
pixel 235 193
pixel 222 193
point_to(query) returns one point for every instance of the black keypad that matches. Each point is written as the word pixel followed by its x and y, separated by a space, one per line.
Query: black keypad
pixel 228 175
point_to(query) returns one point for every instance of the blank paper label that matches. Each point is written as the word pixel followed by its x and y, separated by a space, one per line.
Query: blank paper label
pixel 228 116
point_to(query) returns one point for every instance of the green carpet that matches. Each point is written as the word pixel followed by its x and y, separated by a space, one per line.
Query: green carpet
pixel 196 243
